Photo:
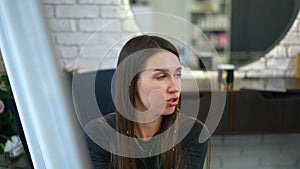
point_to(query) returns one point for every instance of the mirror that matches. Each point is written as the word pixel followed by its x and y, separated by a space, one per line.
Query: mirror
pixel 241 30
pixel 258 25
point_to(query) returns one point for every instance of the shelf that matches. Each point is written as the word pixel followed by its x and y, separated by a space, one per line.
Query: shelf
pixel 213 19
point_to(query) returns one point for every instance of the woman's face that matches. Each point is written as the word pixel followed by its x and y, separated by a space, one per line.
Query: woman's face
pixel 159 84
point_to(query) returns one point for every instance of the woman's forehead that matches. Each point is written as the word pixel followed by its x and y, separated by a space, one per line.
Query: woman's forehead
pixel 162 59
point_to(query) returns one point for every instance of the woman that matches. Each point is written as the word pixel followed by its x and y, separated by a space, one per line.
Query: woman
pixel 152 132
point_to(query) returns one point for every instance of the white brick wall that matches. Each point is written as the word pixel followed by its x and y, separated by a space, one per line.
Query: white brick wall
pixel 77 11
pixel 255 152
pixel 49 11
pixel 93 25
pixel 72 39
pixel 62 25
pixel 280 61
pixel 84 30
pixel 59 1
pixel 100 2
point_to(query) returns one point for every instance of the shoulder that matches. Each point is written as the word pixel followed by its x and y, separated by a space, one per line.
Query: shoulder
pixel 195 143
pixel 101 127
pixel 101 131
pixel 109 119
pixel 99 136
pixel 196 130
pixel 196 124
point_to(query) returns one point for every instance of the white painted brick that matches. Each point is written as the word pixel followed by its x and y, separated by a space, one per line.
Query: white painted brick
pixel 241 162
pixel 282 139
pixel 108 63
pixel 125 2
pixel 289 73
pixel 83 11
pixel 292 50
pixel 60 62
pixel 215 140
pixel 298 15
pixel 114 52
pixel 48 11
pixel 105 59
pixel 239 74
pixel 277 63
pixel 93 25
pixel 278 73
pixel 298 165
pixel 269 155
pixel 74 39
pixel 244 139
pixel 288 34
pixel 278 51
pixel 265 73
pixel 291 64
pixel 98 52
pixel 251 74
pixel 298 25
pixel 59 1
pixel 291 39
pixel 291 149
pixel 256 65
pixel 279 161
pixel 130 25
pixel 87 65
pixel 115 26
pixel 274 73
pixel 101 2
pixel 118 38
pixel 53 38
pixel 260 150
pixel 226 150
pixel 62 25
pixel 295 25
pixel 273 167
pixel 115 11
pixel 68 51
pixel 214 163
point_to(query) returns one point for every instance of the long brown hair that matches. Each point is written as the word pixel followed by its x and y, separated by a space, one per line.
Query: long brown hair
pixel 126 85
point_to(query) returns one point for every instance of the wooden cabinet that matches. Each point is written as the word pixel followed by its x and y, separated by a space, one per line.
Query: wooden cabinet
pixel 205 104
pixel 266 111
pixel 257 111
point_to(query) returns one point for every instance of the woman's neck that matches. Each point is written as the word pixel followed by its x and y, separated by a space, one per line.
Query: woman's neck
pixel 146 131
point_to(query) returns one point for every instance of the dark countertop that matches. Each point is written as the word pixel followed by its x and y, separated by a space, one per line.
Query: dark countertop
pixel 278 84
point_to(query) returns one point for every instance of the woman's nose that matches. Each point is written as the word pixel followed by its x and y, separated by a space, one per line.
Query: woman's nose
pixel 174 85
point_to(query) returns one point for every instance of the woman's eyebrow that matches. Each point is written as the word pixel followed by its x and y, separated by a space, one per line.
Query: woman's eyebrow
pixel 165 70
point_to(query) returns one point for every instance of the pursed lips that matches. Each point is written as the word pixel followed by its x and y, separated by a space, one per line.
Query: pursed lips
pixel 173 101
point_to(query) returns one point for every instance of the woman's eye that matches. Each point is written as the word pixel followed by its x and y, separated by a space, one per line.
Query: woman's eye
pixel 161 77
pixel 178 75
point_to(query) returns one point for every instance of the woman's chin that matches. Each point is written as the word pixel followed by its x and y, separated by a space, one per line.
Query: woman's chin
pixel 169 110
